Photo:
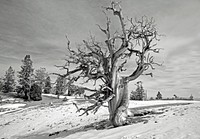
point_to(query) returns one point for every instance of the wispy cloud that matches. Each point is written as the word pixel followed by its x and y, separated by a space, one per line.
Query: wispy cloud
pixel 180 73
pixel 38 28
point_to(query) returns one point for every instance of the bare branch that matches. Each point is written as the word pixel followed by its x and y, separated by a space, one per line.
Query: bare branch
pixel 116 8
pixel 62 67
pixel 151 74
pixel 121 67
pixel 68 73
pixel 136 73
pixel 94 108
pixel 103 30
pixel 92 61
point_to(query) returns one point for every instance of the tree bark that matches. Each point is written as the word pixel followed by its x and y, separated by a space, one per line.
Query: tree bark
pixel 118 106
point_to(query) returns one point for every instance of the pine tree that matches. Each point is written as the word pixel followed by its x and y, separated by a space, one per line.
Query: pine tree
pixel 138 94
pixel 26 76
pixel 175 97
pixel 140 91
pixel 9 80
pixel 47 86
pixel 133 95
pixel 106 61
pixel 60 85
pixel 191 97
pixel 159 95
pixel 1 84
pixel 40 77
pixel 35 92
pixel 151 98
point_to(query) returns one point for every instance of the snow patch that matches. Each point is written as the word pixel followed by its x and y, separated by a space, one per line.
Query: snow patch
pixel 12 106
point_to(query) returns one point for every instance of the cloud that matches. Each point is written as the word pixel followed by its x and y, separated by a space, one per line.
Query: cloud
pixel 180 74
pixel 38 28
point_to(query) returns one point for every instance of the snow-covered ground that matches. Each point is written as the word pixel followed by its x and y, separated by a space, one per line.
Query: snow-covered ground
pixel 135 104
pixel 9 107
pixel 177 122
pixel 55 96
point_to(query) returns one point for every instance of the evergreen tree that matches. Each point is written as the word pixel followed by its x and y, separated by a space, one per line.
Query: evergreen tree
pixel 1 84
pixel 159 95
pixel 138 94
pixel 191 97
pixel 151 98
pixel 140 91
pixel 175 97
pixel 26 78
pixel 9 80
pixel 133 95
pixel 35 92
pixel 47 86
pixel 60 85
pixel 40 77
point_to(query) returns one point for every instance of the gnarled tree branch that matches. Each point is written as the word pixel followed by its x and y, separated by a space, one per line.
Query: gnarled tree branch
pixel 93 63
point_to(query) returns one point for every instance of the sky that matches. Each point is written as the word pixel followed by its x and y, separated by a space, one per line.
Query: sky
pixel 38 28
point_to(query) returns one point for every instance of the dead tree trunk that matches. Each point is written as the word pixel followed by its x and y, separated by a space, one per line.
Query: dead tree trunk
pixel 119 104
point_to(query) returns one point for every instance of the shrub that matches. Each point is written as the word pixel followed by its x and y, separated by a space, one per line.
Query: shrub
pixel 36 92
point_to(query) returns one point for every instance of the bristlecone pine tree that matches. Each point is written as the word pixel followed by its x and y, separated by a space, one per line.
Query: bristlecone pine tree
pixel 9 80
pixel 103 62
pixel 26 76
